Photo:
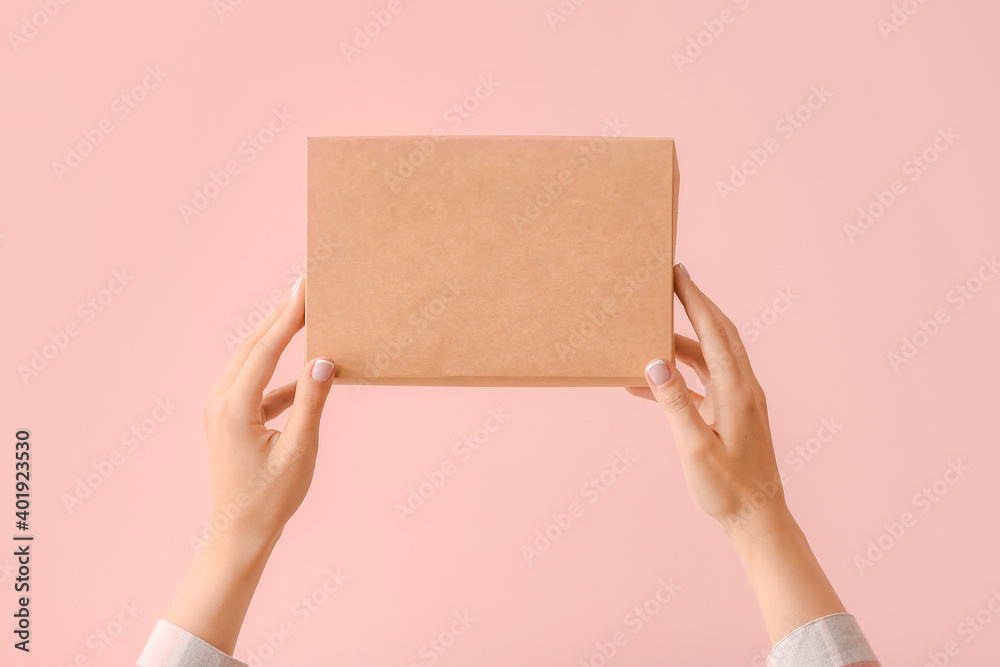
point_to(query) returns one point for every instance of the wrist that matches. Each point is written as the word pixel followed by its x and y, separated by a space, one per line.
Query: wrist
pixel 215 595
pixel 245 526
pixel 244 549
pixel 761 525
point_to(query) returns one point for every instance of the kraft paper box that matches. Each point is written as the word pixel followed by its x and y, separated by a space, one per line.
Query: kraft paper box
pixel 491 260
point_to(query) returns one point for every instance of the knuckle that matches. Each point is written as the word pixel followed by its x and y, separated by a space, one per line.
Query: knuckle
pixel 676 400
pixel 723 363
pixel 263 349
pixel 311 403
pixel 226 411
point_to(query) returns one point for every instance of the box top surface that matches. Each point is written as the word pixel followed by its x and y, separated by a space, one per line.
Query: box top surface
pixel 491 260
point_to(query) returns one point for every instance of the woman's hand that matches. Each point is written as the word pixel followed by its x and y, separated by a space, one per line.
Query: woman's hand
pixel 724 441
pixel 259 475
pixel 724 438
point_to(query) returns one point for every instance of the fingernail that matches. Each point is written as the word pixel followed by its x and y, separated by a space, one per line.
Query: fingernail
pixel 658 372
pixel 297 285
pixel 684 270
pixel 322 370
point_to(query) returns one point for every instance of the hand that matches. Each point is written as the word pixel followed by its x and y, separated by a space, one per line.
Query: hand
pixel 724 438
pixel 724 441
pixel 259 475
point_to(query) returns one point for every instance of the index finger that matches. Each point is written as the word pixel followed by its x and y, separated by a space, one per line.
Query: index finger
pixel 735 342
pixel 727 362
pixel 244 349
pixel 253 378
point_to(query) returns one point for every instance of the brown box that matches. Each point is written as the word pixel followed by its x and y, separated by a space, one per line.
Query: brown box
pixel 491 260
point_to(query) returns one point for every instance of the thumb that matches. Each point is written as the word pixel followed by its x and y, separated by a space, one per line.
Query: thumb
pixel 671 392
pixel 311 390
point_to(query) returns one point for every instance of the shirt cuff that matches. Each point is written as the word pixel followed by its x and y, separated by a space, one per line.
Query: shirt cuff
pixel 171 646
pixel 831 641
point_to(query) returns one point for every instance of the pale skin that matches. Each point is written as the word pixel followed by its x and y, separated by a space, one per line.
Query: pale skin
pixel 723 439
pixel 724 442
pixel 214 597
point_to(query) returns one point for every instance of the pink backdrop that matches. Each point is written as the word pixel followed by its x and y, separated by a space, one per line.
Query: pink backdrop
pixel 886 107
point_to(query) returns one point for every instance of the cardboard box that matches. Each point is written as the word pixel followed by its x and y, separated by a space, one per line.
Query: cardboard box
pixel 491 260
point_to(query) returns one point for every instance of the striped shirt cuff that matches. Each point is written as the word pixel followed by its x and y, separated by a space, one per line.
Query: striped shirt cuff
pixel 171 646
pixel 831 641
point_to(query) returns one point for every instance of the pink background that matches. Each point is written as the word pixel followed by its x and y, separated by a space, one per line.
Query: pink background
pixel 164 335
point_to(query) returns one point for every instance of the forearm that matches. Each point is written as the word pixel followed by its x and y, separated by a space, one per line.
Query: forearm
pixel 790 585
pixel 215 595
